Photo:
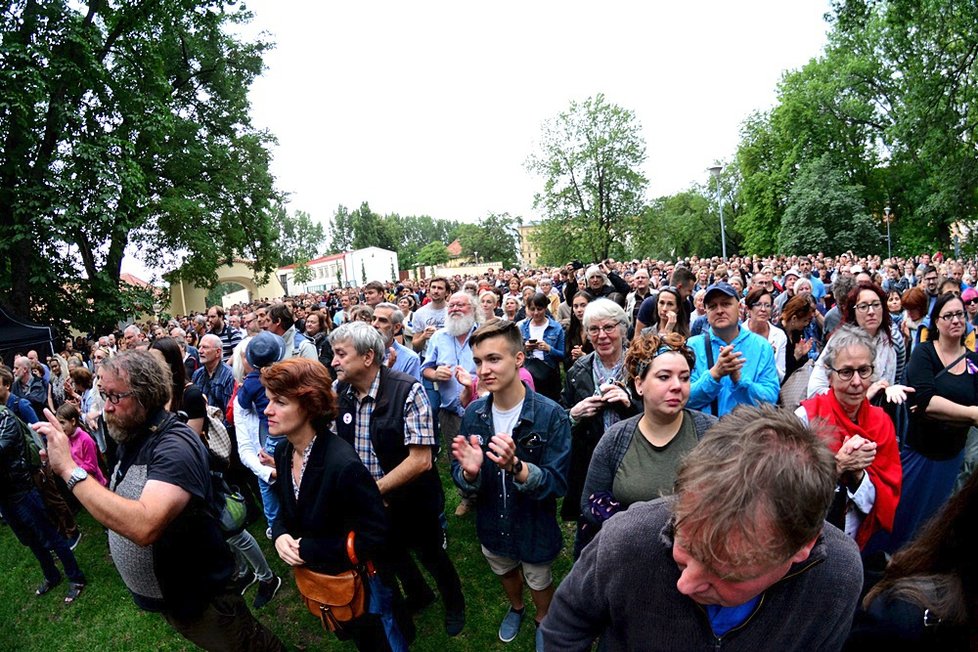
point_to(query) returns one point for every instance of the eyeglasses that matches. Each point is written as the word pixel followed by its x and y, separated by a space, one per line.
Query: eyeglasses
pixel 607 329
pixel 875 306
pixel 930 279
pixel 951 316
pixel 114 398
pixel 972 302
pixel 762 306
pixel 846 373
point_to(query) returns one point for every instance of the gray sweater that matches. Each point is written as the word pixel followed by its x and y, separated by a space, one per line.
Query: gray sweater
pixel 623 589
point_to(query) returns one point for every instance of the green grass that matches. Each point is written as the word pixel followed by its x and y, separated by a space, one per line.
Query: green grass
pixel 105 619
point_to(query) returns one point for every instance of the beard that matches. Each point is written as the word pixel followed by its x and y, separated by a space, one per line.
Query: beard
pixel 126 428
pixel 456 326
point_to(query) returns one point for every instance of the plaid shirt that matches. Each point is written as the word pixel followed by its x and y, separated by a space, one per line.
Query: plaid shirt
pixel 418 427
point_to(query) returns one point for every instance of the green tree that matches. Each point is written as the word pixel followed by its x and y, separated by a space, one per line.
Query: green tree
pixel 299 239
pixel 303 272
pixel 495 238
pixel 590 160
pixel 341 230
pixel 434 253
pixel 126 126
pixel 826 213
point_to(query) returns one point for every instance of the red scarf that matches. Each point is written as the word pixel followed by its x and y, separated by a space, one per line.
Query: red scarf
pixel 885 472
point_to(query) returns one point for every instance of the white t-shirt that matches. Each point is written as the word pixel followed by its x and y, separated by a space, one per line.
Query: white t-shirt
pixel 504 421
pixel 536 333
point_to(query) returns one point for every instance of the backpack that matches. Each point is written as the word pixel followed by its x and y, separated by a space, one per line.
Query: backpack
pixel 32 450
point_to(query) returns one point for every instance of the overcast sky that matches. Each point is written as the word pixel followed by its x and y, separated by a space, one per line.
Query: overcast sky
pixel 433 107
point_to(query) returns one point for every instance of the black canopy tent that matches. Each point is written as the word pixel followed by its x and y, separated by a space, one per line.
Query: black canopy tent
pixel 17 335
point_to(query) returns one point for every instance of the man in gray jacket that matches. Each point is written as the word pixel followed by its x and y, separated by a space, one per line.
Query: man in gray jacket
pixel 740 559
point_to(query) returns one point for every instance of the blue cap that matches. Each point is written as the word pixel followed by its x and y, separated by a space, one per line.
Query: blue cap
pixel 722 287
pixel 265 349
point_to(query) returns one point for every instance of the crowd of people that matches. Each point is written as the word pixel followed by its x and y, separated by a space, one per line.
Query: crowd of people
pixel 759 453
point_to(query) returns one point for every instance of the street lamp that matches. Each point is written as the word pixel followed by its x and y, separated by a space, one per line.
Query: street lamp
pixel 889 250
pixel 715 171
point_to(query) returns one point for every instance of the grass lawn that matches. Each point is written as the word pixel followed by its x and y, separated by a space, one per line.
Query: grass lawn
pixel 105 619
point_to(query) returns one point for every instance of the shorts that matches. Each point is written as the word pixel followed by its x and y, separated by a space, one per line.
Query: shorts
pixel 538 576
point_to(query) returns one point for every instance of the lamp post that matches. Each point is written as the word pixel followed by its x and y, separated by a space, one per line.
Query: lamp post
pixel 886 214
pixel 715 171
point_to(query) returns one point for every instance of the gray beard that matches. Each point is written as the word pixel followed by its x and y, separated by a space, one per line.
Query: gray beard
pixel 119 435
pixel 456 326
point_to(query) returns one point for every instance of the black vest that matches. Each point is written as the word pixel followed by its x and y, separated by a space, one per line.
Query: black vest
pixel 387 437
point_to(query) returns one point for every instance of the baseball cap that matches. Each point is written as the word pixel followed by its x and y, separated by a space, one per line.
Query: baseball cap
pixel 721 287
pixel 265 349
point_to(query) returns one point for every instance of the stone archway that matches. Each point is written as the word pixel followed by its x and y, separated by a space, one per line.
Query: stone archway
pixel 186 297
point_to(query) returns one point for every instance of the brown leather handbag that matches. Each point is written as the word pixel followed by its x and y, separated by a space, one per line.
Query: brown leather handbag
pixel 334 599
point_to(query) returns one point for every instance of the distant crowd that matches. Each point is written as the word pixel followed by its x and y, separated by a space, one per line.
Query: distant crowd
pixel 775 453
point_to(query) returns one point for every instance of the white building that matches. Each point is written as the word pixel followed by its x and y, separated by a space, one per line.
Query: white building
pixel 347 269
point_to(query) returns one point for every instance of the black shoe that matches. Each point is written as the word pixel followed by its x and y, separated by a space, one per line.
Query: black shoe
pixel 74 590
pixel 73 541
pixel 415 602
pixel 46 586
pixel 267 591
pixel 454 622
pixel 241 584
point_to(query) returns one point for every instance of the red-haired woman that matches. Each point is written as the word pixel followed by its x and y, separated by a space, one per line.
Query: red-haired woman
pixel 324 489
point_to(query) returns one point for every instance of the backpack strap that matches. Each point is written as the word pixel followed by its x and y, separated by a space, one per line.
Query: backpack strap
pixel 715 403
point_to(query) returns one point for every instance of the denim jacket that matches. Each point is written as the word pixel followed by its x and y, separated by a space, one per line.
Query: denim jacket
pixel 515 520
pixel 553 335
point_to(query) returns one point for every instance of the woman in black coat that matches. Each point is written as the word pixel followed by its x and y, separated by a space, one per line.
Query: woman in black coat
pixel 325 491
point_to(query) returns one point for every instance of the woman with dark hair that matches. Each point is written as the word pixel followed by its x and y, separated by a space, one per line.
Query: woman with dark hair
pixel 543 341
pixel 670 314
pixel 796 315
pixel 927 599
pixel 407 304
pixel 637 459
pixel 759 303
pixel 865 307
pixel 944 375
pixel 325 491
pixel 576 343
pixel 318 327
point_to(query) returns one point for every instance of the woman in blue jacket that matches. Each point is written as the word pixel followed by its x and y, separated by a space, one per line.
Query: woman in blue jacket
pixel 543 340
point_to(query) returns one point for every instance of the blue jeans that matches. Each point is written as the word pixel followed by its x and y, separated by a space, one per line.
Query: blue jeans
pixel 30 523
pixel 269 498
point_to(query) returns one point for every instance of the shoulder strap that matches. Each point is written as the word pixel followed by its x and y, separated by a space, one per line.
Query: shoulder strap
pixel 715 403
pixel 949 366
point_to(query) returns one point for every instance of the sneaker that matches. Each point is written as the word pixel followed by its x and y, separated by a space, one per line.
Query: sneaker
pixel 73 542
pixel 46 586
pixel 241 584
pixel 510 626
pixel 267 591
pixel 74 590
pixel 464 507
pixel 268 534
pixel 454 622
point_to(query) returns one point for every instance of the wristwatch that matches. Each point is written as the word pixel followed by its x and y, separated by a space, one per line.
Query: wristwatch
pixel 517 467
pixel 77 475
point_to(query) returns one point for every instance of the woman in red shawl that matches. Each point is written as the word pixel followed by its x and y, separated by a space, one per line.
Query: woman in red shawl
pixel 863 440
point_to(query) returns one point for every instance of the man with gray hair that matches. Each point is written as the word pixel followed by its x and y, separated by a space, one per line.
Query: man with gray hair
pixel 161 509
pixel 386 417
pixel 214 379
pixel 389 320
pixel 742 565
pixel 448 351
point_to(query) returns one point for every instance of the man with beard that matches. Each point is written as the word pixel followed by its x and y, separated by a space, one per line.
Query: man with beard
pixel 161 510
pixel 448 350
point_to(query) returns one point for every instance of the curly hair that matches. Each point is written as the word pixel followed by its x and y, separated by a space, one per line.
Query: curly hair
pixel 149 381
pixel 307 383
pixel 644 349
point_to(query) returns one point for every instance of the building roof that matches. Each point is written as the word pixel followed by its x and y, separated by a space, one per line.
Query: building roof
pixel 316 261
pixel 455 249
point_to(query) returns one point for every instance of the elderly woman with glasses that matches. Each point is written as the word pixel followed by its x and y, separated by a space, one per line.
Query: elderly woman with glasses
pixel 637 458
pixel 865 307
pixel 596 394
pixel 867 457
pixel 944 374
pixel 759 303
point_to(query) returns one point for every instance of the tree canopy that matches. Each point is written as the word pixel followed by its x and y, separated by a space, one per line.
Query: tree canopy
pixel 590 160
pixel 126 124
